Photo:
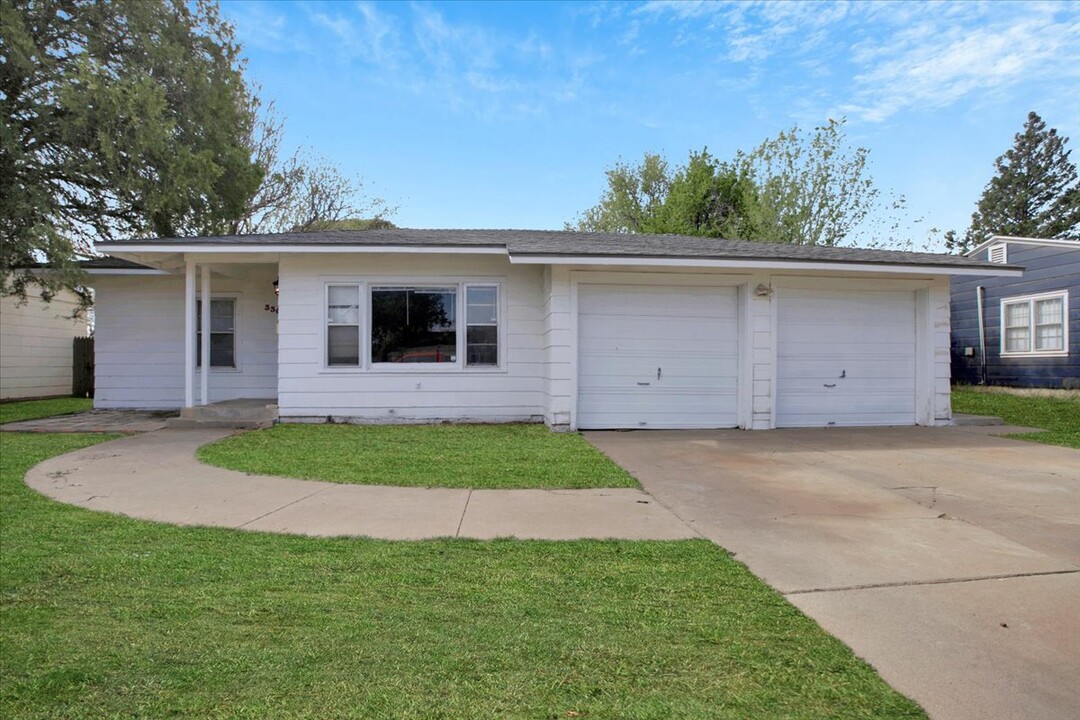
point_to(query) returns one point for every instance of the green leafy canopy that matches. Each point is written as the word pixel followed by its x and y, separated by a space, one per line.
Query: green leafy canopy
pixel 800 187
pixel 121 118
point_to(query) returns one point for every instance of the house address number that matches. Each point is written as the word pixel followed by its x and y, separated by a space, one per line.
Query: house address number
pixel 270 308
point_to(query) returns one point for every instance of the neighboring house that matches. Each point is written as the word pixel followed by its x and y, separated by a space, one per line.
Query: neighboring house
pixel 578 330
pixel 36 346
pixel 1028 331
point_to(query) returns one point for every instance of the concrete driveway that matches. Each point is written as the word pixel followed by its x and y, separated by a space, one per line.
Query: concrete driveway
pixel 948 558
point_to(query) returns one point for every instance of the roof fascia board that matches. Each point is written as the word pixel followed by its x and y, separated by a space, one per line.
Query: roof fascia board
pixel 413 249
pixel 1007 271
pixel 123 271
pixel 1050 242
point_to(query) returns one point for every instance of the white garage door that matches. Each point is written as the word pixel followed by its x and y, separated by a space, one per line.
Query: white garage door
pixel 845 358
pixel 657 357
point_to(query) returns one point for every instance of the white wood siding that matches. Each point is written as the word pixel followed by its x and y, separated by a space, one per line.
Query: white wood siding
pixel 654 356
pixel 35 346
pixel 308 390
pixel 139 340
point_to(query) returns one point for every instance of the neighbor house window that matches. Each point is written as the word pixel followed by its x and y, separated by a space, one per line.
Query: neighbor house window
pixel 343 325
pixel 222 332
pixel 1035 325
pixel 414 324
pixel 481 325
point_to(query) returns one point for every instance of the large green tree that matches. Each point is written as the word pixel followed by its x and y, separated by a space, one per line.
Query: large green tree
pixel 800 187
pixel 813 188
pixel 120 118
pixel 632 199
pixel 1035 192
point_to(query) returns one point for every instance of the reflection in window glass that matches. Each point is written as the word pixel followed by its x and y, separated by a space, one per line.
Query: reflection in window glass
pixel 414 325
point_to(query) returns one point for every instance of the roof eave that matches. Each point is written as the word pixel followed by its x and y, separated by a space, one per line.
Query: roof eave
pixel 764 264
pixel 221 248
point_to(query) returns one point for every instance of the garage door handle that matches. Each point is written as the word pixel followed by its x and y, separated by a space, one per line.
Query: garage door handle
pixel 830 384
pixel 644 383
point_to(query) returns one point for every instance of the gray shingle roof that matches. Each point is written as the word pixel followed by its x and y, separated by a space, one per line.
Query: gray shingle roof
pixel 572 243
pixel 110 263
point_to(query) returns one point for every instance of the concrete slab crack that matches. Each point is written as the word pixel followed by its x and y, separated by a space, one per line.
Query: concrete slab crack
pixel 943 581
pixel 290 504
pixel 461 520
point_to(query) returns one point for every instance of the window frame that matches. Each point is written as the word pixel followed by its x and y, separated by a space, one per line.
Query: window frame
pixel 325 334
pixel 1030 301
pixel 235 367
pixel 367 284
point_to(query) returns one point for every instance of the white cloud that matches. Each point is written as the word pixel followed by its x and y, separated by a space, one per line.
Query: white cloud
pixel 888 57
pixel 934 65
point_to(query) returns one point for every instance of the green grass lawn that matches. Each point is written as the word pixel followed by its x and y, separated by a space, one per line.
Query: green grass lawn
pixel 34 409
pixel 107 617
pixel 458 456
pixel 1058 417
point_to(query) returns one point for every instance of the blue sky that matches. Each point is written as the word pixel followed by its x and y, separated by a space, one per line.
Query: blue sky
pixel 490 115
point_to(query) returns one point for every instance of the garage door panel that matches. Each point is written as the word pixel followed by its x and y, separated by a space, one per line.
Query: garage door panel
pixel 845 358
pixel 644 352
pixel 625 333
pixel 660 345
pixel 680 383
pixel 644 301
pixel 818 368
pixel 850 332
pixel 597 329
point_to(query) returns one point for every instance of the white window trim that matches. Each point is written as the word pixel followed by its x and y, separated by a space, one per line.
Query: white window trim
pixel 366 366
pixel 1063 295
pixel 325 334
pixel 235 297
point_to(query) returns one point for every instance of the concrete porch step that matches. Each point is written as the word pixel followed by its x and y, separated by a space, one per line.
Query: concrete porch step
pixel 241 414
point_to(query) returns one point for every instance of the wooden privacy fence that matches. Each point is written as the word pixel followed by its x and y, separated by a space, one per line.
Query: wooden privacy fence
pixel 82 367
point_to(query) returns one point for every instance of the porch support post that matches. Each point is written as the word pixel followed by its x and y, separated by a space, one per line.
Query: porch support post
pixel 205 359
pixel 189 334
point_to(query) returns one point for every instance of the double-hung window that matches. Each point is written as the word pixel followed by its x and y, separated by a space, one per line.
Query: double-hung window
pixel 1035 325
pixel 343 325
pixel 481 325
pixel 391 325
pixel 222 332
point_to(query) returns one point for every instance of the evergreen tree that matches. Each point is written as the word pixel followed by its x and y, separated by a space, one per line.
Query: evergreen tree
pixel 1035 192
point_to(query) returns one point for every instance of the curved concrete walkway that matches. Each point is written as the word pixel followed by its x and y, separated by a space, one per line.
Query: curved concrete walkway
pixel 155 476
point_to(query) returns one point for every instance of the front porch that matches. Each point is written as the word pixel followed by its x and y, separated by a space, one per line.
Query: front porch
pixel 218 339
pixel 243 413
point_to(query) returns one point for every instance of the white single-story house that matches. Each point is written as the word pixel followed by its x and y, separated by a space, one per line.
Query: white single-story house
pixel 578 330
